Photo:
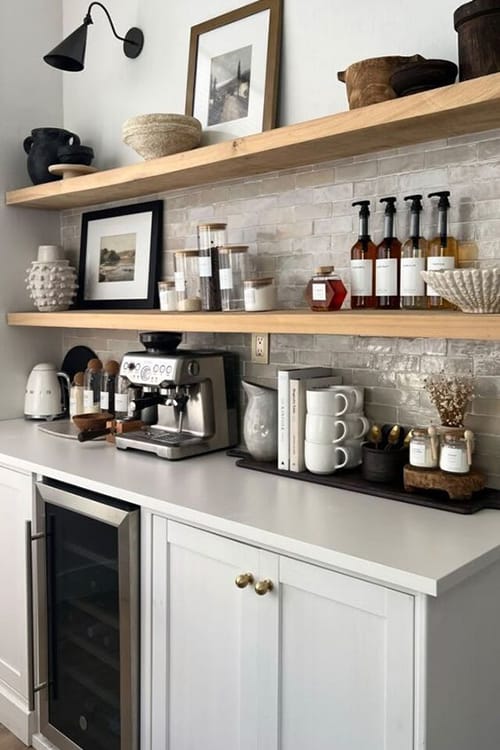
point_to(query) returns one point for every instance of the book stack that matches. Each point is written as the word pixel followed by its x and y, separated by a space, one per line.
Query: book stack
pixel 292 386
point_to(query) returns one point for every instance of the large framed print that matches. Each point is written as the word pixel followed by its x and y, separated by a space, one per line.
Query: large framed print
pixel 233 71
pixel 120 252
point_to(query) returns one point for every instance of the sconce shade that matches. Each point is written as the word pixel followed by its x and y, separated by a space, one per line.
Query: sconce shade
pixel 70 53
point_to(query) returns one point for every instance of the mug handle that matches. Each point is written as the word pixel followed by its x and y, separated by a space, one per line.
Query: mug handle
pixel 346 403
pixel 340 449
pixel 358 399
pixel 342 437
pixel 27 143
pixel 365 426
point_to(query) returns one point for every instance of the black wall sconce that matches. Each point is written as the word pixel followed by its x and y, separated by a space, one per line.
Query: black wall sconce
pixel 70 53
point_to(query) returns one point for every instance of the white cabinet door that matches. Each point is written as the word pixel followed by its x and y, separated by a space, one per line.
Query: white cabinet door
pixel 15 510
pixel 346 655
pixel 322 661
pixel 205 644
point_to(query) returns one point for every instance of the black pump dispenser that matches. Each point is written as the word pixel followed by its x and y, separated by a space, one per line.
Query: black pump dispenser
pixel 443 249
pixel 389 214
pixel 387 267
pixel 416 209
pixel 363 257
pixel 443 206
pixel 364 213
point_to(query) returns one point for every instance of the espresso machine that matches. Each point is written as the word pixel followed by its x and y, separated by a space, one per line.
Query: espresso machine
pixel 193 396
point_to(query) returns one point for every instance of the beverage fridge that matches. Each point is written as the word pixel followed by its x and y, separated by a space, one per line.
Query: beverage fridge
pixel 87 578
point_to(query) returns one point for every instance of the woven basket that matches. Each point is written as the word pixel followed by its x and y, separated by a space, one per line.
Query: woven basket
pixel 155 135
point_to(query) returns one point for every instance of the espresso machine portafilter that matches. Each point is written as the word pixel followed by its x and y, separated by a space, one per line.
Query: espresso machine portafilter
pixel 192 394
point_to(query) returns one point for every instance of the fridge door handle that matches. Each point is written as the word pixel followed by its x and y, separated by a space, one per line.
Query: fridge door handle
pixel 32 688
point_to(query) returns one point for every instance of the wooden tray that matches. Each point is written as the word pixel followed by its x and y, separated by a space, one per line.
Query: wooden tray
pixel 351 479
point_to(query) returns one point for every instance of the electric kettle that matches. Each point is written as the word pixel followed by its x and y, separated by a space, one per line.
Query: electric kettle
pixel 46 393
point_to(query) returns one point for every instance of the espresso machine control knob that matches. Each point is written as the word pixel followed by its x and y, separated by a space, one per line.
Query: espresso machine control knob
pixel 146 372
pixel 193 367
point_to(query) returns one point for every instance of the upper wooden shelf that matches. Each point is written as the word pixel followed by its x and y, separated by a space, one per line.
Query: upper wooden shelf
pixel 401 324
pixel 467 107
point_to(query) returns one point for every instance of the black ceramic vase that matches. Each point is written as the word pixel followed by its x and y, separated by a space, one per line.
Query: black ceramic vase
pixel 42 147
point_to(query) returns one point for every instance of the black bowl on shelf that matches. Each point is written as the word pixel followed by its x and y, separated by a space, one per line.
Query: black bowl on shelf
pixel 423 76
pixel 75 154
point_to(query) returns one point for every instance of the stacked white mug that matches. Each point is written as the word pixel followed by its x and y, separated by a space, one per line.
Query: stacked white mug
pixel 335 428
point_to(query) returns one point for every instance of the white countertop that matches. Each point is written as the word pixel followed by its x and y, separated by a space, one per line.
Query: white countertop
pixel 401 545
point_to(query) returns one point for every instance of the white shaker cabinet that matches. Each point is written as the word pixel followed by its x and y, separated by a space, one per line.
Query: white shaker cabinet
pixel 15 510
pixel 318 661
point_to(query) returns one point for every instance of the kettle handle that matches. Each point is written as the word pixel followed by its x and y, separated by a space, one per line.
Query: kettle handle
pixel 65 390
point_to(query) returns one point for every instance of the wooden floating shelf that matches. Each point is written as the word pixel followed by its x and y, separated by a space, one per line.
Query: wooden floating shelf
pixel 467 107
pixel 401 324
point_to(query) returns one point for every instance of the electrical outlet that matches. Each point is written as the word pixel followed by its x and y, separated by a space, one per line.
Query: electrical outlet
pixel 260 348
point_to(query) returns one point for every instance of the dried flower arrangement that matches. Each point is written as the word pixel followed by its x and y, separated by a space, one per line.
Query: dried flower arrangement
pixel 450 395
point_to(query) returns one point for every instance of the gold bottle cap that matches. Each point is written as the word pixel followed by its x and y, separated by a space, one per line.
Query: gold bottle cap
pixel 212 226
pixel 324 270
pixel 95 365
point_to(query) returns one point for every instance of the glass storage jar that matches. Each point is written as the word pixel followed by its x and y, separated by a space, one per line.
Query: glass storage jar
pixel 259 294
pixel 325 291
pixel 454 456
pixel 167 295
pixel 210 238
pixel 234 269
pixel 187 280
pixel 423 449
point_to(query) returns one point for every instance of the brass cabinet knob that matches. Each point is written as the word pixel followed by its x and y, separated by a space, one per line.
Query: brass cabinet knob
pixel 244 580
pixel 262 587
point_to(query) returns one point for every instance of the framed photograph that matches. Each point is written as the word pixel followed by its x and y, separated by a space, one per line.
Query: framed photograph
pixel 120 253
pixel 233 71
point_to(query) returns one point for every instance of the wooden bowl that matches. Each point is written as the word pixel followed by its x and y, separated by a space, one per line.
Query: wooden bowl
pixel 423 76
pixel 368 81
pixel 92 421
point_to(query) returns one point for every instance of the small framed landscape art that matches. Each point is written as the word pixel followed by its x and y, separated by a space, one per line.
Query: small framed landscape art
pixel 233 71
pixel 120 253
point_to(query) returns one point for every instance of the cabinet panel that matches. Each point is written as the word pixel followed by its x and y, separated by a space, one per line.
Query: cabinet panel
pixel 210 645
pixel 346 657
pixel 15 509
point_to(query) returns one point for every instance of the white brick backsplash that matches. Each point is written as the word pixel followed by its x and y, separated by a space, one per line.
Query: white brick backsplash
pixel 296 220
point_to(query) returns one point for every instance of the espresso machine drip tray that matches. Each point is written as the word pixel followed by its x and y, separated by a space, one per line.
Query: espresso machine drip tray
pixel 164 443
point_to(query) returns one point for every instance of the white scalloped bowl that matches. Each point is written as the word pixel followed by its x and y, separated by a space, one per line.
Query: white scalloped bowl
pixel 472 290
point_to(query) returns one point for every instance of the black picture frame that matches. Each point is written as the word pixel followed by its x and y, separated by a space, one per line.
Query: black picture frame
pixel 144 222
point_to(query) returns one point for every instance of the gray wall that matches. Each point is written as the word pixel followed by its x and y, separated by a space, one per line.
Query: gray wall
pixel 29 97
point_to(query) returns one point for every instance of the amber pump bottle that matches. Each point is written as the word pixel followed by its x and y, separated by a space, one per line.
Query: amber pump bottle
pixel 388 262
pixel 413 257
pixel 363 257
pixel 442 254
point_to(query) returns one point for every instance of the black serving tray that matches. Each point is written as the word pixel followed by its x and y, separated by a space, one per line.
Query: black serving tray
pixel 352 479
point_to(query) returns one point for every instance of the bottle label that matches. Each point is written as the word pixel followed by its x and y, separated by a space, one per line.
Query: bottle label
pixel 412 283
pixel 88 400
pixel 319 292
pixel 121 402
pixel 386 277
pixel 205 266
pixel 361 278
pixel 104 401
pixel 180 282
pixel 226 278
pixel 439 263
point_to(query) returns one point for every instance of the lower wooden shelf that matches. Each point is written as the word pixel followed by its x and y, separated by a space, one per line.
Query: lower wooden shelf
pixel 401 324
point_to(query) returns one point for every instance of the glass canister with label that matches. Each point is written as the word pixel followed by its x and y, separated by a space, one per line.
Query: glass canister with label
pixel 424 449
pixel 211 237
pixel 325 291
pixel 187 280
pixel 260 294
pixel 235 267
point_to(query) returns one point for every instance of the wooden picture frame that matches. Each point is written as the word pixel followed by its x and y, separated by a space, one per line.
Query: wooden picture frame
pixel 243 48
pixel 120 253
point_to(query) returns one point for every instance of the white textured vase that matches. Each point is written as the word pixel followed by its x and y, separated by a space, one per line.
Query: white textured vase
pixel 260 422
pixel 52 284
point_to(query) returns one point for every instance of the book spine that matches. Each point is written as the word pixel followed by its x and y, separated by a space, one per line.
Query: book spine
pixel 294 425
pixel 283 420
